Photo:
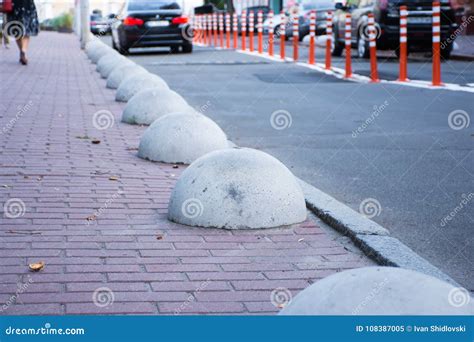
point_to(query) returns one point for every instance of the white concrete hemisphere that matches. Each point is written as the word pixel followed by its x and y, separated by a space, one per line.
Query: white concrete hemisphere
pixel 98 52
pixel 150 104
pixel 106 69
pixel 136 83
pixel 237 188
pixel 111 57
pixel 94 43
pixel 380 291
pixel 181 138
pixel 121 72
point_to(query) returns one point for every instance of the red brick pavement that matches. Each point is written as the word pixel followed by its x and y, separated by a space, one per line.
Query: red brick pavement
pixel 152 266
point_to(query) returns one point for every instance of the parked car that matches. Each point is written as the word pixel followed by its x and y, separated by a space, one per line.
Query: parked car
pixel 387 19
pixel 151 23
pixel 305 8
pixel 99 24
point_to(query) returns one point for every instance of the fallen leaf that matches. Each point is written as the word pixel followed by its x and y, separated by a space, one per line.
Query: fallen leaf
pixel 39 178
pixel 175 166
pixel 26 177
pixel 113 178
pixel 159 237
pixel 37 266
pixel 5 186
pixel 95 141
pixel 91 218
pixel 302 239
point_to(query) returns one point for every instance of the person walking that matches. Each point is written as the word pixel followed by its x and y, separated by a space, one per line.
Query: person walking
pixel 23 22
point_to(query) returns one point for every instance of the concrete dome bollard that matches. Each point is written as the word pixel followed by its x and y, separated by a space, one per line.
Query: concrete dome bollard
pixel 237 188
pixel 93 44
pixel 111 57
pixel 112 62
pixel 150 104
pixel 380 291
pixel 121 72
pixel 136 83
pixel 181 138
pixel 98 52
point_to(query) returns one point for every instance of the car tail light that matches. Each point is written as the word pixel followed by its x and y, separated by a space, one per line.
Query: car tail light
pixel 130 21
pixel 179 20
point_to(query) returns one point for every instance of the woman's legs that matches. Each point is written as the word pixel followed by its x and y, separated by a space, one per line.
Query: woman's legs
pixel 23 47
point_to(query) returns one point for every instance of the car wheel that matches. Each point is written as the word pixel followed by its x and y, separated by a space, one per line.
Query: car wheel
pixel 336 47
pixel 363 50
pixel 187 47
pixel 446 51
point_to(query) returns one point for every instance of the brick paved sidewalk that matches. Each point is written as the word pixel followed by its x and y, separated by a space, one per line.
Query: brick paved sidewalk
pixel 151 265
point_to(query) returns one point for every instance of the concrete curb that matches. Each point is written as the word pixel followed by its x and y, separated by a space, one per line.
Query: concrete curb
pixel 373 239
pixel 460 57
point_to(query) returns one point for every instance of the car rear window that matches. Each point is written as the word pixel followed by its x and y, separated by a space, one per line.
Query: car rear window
pixel 144 5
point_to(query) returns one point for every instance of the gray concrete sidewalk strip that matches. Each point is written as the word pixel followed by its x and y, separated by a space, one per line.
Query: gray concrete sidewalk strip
pixel 370 237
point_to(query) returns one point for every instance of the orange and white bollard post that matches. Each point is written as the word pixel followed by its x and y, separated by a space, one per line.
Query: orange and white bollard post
pixel 221 30
pixel 296 37
pixel 200 34
pixel 436 45
pixel 270 33
pixel 251 30
pixel 282 34
pixel 244 29
pixel 209 29
pixel 227 30
pixel 260 31
pixel 347 37
pixel 374 74
pixel 312 34
pixel 235 29
pixel 328 39
pixel 214 24
pixel 402 76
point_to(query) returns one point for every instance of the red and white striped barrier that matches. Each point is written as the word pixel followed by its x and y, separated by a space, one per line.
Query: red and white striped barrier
pixel 312 34
pixel 251 30
pixel 402 76
pixel 270 33
pixel 227 30
pixel 244 29
pixel 296 38
pixel 282 34
pixel 328 39
pixel 209 29
pixel 260 31
pixel 347 38
pixel 221 30
pixel 436 44
pixel 214 28
pixel 235 29
pixel 374 74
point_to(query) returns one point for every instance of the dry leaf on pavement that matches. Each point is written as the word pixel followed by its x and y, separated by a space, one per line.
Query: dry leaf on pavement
pixel 36 266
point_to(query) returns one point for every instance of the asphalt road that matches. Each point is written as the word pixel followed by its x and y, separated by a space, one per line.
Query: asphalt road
pixel 388 143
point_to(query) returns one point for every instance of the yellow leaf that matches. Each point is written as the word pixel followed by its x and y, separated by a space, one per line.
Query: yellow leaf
pixel 37 266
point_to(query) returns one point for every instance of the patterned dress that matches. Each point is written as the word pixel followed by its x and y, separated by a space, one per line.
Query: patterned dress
pixel 24 16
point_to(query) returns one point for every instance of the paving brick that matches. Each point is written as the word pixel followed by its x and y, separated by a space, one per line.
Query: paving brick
pixel 63 179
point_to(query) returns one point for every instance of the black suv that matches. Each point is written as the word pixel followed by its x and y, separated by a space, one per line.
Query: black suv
pixel 151 23
pixel 387 19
